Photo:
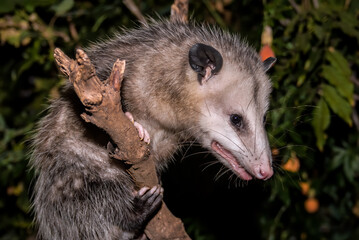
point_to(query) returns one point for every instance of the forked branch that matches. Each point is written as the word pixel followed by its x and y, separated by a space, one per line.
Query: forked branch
pixel 102 101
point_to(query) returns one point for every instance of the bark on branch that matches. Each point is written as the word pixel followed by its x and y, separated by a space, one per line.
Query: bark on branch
pixel 102 102
pixel 179 11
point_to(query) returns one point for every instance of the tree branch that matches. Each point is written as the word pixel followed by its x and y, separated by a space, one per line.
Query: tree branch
pixel 135 10
pixel 295 6
pixel 179 11
pixel 102 101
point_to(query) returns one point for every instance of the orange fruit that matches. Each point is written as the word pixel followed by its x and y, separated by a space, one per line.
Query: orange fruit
pixel 311 205
pixel 266 52
pixel 292 165
pixel 356 209
pixel 305 187
pixel 275 151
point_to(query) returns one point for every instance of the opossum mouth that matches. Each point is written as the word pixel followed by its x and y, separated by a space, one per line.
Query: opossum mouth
pixel 232 160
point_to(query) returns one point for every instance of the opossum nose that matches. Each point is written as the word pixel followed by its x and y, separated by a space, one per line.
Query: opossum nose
pixel 262 172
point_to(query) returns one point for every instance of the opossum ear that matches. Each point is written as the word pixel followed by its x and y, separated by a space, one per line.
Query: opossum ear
pixel 205 60
pixel 268 63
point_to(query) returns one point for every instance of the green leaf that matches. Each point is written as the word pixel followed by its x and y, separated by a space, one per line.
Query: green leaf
pixel 338 61
pixel 2 123
pixel 348 24
pixel 301 80
pixel 7 6
pixel 348 170
pixel 98 23
pixel 319 32
pixel 340 81
pixel 63 7
pixel 337 103
pixel 320 122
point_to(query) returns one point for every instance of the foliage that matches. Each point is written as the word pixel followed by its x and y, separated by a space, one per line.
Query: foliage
pixel 314 93
pixel 29 32
pixel 313 121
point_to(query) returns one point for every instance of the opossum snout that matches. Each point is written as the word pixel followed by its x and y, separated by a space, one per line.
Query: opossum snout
pixel 263 172
pixel 261 167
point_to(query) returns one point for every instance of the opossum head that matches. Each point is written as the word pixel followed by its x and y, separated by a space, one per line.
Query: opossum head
pixel 234 93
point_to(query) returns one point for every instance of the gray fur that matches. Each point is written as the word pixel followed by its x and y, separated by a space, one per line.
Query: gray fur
pixel 80 193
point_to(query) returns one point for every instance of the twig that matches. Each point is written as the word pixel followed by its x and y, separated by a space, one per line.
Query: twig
pixel 179 11
pixel 72 29
pixel 355 119
pixel 316 4
pixel 295 6
pixel 354 80
pixel 214 13
pixel 276 221
pixel 135 10
pixel 347 4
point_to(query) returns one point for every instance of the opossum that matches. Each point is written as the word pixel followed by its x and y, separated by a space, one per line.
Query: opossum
pixel 182 81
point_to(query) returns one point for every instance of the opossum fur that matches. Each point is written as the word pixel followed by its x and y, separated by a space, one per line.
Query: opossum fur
pixel 182 81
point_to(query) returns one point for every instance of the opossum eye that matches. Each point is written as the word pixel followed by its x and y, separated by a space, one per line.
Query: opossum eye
pixel 264 119
pixel 236 120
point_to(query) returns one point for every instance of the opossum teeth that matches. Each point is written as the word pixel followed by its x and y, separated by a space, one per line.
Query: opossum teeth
pixel 231 159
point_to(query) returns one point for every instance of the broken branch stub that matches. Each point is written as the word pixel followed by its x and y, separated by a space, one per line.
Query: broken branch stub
pixel 102 103
pixel 179 11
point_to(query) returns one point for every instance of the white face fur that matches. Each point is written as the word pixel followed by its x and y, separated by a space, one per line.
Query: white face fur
pixel 232 121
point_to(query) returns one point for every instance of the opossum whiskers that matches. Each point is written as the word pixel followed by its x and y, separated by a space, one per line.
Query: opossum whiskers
pixel 277 166
pixel 199 112
pixel 243 152
pixel 188 143
pixel 249 103
pixel 238 182
pixel 285 132
pixel 297 118
pixel 208 164
pixel 188 139
pixel 233 179
pixel 222 171
pixel 255 136
pixel 209 112
pixel 260 155
pixel 288 146
pixel 194 154
pixel 291 108
pixel 240 138
pixel 296 145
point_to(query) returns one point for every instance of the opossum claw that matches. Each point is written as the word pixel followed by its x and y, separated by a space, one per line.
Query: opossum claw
pixel 147 201
pixel 130 116
pixel 142 132
pixel 151 196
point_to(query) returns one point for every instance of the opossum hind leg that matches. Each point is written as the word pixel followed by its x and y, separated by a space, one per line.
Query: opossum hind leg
pixel 142 132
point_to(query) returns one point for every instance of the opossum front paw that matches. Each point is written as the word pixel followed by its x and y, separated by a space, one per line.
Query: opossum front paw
pixel 142 132
pixel 147 201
